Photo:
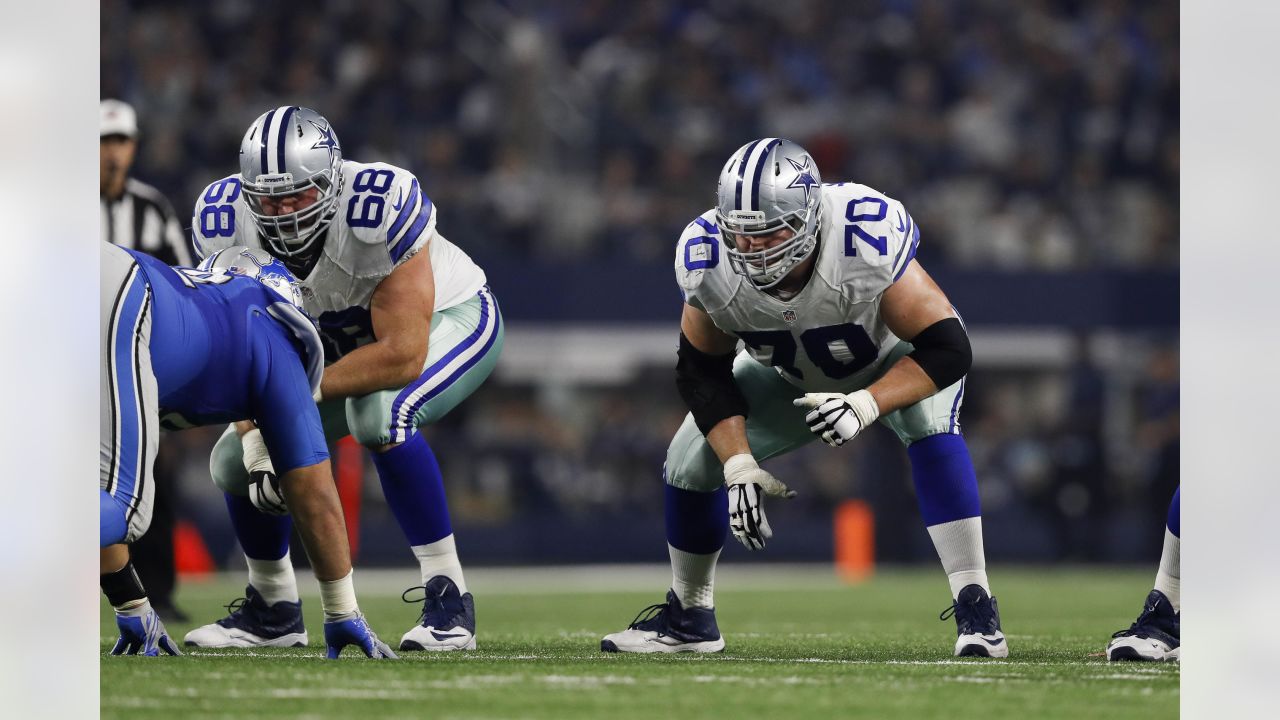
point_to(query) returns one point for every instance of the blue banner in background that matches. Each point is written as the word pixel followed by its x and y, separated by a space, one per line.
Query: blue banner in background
pixel 602 292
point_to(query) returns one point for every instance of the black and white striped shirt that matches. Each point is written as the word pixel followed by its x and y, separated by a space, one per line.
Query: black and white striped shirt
pixel 142 219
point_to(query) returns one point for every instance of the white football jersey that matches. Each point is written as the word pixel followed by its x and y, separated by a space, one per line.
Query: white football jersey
pixel 829 337
pixel 383 219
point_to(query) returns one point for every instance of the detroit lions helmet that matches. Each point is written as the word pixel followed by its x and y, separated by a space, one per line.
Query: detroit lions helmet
pixel 286 151
pixel 259 265
pixel 767 185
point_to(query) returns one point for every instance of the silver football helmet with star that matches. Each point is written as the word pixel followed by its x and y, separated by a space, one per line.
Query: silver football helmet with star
pixel 768 185
pixel 290 151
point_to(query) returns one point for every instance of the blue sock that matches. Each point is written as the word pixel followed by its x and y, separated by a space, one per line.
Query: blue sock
pixel 697 522
pixel 261 536
pixel 1174 522
pixel 946 485
pixel 414 488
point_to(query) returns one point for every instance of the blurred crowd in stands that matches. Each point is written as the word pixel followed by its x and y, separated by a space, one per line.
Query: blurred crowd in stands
pixel 1022 135
pixel 1031 134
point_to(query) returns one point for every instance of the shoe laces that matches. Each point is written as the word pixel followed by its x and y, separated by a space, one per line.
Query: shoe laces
pixel 971 614
pixel 432 603
pixel 237 606
pixel 1144 625
pixel 648 615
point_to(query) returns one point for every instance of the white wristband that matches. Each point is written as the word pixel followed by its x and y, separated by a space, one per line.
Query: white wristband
pixel 256 458
pixel 317 395
pixel 738 465
pixel 864 406
pixel 338 597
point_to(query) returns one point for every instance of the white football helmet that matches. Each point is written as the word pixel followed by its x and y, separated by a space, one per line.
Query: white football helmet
pixel 286 151
pixel 767 185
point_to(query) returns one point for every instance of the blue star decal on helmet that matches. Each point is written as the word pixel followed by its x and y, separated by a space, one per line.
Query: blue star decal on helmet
pixel 804 178
pixel 327 140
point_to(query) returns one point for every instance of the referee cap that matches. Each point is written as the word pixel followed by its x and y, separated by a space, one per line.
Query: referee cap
pixel 118 118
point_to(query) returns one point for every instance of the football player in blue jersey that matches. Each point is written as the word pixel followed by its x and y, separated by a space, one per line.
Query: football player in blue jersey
pixel 1156 634
pixel 182 348
pixel 842 327
pixel 410 330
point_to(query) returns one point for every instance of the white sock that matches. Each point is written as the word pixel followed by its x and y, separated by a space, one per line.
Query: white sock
pixel 1167 578
pixel 693 577
pixel 441 558
pixel 273 579
pixel 338 597
pixel 959 546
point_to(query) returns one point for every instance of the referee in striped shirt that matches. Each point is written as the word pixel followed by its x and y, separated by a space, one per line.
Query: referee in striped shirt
pixel 134 214
pixel 138 216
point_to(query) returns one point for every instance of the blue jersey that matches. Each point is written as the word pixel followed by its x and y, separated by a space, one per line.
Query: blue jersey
pixel 220 354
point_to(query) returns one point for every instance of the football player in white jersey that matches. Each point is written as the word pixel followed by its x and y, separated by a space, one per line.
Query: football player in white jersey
pixel 410 330
pixel 842 327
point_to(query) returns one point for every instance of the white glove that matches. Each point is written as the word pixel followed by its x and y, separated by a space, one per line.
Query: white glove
pixel 838 418
pixel 264 486
pixel 748 483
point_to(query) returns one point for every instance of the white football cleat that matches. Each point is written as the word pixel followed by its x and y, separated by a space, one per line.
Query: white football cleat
pixel 448 620
pixel 668 628
pixel 1154 636
pixel 253 623
pixel 978 631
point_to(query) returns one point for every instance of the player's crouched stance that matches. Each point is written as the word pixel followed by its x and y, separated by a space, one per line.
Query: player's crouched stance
pixel 410 329
pixel 842 327
pixel 195 347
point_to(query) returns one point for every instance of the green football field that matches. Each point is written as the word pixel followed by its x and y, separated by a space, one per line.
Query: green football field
pixel 801 643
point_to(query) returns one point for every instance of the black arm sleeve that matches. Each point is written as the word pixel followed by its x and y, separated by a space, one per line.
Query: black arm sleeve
pixel 706 384
pixel 942 351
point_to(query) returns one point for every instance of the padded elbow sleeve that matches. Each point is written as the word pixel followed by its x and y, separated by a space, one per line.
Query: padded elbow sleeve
pixel 942 350
pixel 707 387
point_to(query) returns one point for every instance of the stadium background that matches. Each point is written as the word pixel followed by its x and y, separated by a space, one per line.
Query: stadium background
pixel 568 143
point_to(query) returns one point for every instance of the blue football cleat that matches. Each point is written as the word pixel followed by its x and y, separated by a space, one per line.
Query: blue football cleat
pixel 1155 635
pixel 978 631
pixel 143 635
pixel 355 631
pixel 253 623
pixel 668 628
pixel 448 620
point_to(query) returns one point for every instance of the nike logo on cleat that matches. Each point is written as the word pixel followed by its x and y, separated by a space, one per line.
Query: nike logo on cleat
pixel 992 643
pixel 446 636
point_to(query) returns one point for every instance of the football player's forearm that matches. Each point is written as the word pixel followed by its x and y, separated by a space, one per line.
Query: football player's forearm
pixel 369 368
pixel 904 385
pixel 313 501
pixel 729 438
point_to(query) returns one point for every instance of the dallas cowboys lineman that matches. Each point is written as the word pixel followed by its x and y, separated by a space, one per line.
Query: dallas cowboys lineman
pixel 821 284
pixel 410 330
pixel 184 347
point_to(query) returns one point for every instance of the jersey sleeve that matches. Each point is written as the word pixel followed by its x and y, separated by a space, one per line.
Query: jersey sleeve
pixel 282 403
pixel 905 240
pixel 697 253
pixel 409 217
pixel 220 219
pixel 877 237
